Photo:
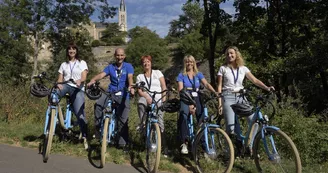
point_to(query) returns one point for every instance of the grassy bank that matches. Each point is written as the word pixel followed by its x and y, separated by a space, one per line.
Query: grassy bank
pixel 22 121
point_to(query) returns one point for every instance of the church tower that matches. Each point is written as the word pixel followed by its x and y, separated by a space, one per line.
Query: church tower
pixel 122 22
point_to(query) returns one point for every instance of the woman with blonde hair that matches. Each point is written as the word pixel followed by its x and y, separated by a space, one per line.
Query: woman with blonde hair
pixel 190 79
pixel 230 80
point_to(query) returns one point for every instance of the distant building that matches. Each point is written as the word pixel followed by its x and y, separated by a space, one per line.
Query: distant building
pixel 122 22
pixel 95 29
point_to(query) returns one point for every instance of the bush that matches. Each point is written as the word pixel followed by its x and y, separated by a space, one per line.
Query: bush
pixel 95 43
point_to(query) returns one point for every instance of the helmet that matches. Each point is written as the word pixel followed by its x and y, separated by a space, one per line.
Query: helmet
pixel 93 93
pixel 39 90
pixel 242 109
pixel 171 106
pixel 186 97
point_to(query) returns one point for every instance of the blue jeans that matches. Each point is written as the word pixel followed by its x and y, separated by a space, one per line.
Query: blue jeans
pixel 183 118
pixel 76 96
pixel 122 116
pixel 232 124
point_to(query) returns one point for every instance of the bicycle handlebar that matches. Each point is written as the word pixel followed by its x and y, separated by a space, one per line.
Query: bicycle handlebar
pixel 261 100
pixel 43 75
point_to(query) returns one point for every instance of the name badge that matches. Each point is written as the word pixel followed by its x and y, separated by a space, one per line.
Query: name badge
pixel 194 94
pixel 118 93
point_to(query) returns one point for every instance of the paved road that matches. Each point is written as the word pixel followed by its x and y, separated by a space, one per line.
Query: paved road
pixel 24 160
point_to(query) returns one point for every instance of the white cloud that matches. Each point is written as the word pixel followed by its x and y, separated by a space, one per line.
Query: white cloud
pixel 158 22
pixel 173 9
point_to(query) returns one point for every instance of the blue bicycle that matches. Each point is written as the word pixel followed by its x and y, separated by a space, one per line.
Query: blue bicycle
pixel 53 112
pixel 272 149
pixel 212 148
pixel 153 133
pixel 108 130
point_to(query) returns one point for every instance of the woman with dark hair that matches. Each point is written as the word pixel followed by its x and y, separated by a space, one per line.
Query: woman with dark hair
pixel 74 69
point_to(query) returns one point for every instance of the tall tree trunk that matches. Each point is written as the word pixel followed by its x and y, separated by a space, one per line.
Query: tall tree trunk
pixel 35 56
pixel 323 78
pixel 212 41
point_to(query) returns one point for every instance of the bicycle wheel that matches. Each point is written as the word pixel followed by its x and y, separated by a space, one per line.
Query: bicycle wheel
pixel 219 157
pixel 283 155
pixel 153 147
pixel 104 143
pixel 48 136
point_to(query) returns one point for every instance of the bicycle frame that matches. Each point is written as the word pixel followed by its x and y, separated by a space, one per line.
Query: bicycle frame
pixel 262 122
pixel 151 118
pixel 109 113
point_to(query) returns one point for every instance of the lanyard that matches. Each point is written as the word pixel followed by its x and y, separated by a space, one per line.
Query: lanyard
pixel 71 68
pixel 192 84
pixel 235 77
pixel 118 75
pixel 149 83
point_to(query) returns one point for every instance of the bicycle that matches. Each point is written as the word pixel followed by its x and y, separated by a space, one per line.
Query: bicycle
pixel 153 133
pixel 267 148
pixel 210 143
pixel 108 123
pixel 53 114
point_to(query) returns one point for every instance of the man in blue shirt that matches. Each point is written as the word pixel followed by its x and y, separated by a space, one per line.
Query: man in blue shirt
pixel 121 78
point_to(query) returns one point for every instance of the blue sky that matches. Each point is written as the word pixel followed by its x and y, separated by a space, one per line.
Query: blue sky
pixel 154 14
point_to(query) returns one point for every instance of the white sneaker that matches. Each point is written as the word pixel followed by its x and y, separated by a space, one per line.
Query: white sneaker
pixel 85 143
pixel 184 149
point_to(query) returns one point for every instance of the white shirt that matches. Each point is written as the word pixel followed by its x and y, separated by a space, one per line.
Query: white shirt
pixel 73 70
pixel 231 79
pixel 155 84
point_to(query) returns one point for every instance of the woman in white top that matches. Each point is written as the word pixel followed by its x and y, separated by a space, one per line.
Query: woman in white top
pixel 76 69
pixel 155 81
pixel 230 78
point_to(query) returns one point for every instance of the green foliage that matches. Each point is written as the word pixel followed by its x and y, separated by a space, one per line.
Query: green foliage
pixel 80 38
pixel 14 44
pixel 189 21
pixel 95 43
pixel 145 42
pixel 112 35
pixel 193 44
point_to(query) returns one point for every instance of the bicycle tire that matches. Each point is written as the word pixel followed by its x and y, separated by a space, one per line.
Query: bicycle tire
pixel 49 136
pixel 153 165
pixel 61 117
pixel 223 155
pixel 281 145
pixel 104 143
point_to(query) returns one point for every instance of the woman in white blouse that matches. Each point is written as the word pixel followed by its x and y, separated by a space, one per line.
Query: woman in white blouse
pixel 154 80
pixel 230 78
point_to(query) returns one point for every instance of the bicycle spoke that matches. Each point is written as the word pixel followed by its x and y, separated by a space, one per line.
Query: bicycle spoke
pixel 282 154
pixel 215 156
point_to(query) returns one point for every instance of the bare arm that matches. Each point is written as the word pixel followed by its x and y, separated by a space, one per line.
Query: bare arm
pixel 257 82
pixel 220 91
pixel 163 86
pixel 180 86
pixel 83 78
pixel 208 85
pixel 96 78
pixel 130 80
pixel 60 77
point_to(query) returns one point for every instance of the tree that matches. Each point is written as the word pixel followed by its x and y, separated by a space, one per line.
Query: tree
pixel 52 16
pixel 214 19
pixel 189 21
pixel 112 35
pixel 14 44
pixel 146 42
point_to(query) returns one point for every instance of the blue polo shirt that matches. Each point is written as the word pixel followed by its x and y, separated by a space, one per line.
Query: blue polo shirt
pixel 193 83
pixel 119 78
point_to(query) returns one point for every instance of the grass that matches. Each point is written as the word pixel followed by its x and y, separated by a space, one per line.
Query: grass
pixel 22 120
